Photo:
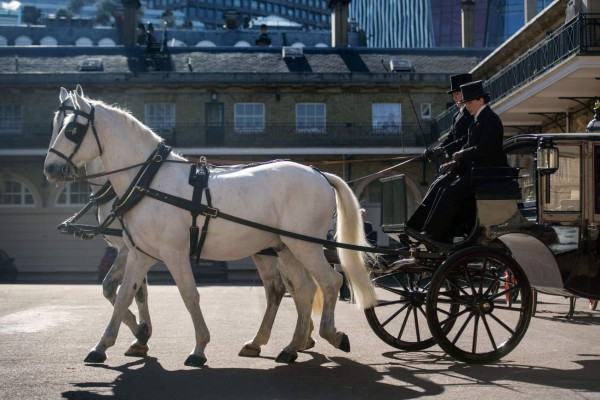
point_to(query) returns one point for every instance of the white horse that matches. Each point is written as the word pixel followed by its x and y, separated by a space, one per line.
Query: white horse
pixel 142 330
pixel 275 281
pixel 284 195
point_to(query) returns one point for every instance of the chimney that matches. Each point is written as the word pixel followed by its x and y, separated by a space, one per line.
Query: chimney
pixel 339 22
pixel 467 10
pixel 129 23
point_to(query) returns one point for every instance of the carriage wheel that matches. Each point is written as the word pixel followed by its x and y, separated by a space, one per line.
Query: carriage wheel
pixel 399 318
pixel 487 327
pixel 593 304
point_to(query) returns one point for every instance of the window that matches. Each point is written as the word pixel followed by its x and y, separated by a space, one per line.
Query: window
pixel 311 118
pixel 524 159
pixel 74 194
pixel 565 184
pixel 426 111
pixel 160 117
pixel 386 118
pixel 249 118
pixel 15 194
pixel 11 119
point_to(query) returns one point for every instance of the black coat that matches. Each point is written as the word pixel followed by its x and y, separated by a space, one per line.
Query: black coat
pixel 457 137
pixel 484 143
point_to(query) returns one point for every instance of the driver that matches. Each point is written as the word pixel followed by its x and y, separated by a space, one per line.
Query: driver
pixel 456 138
pixel 482 149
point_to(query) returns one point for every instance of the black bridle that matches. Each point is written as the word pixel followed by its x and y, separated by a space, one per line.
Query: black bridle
pixel 75 132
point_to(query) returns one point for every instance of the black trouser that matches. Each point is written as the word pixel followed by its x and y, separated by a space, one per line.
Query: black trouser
pixel 449 201
pixel 419 217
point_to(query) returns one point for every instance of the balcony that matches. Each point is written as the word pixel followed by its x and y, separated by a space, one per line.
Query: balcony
pixel 579 36
pixel 270 136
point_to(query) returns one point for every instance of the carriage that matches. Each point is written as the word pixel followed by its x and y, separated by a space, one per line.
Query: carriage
pixel 532 228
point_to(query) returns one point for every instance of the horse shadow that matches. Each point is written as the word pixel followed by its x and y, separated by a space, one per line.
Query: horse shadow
pixel 312 379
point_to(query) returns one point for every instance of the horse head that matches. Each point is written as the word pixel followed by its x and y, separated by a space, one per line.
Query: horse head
pixel 70 137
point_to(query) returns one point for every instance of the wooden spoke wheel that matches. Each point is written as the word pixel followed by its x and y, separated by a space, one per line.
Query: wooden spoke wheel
pixel 399 318
pixel 488 325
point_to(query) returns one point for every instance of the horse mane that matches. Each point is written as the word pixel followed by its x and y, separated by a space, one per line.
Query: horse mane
pixel 128 118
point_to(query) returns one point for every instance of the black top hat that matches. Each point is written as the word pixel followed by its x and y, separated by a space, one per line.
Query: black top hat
pixel 472 91
pixel 457 80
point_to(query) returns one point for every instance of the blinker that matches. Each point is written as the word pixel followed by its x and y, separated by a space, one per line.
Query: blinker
pixel 75 131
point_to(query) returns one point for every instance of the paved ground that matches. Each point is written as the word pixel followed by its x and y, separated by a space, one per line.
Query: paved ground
pixel 47 330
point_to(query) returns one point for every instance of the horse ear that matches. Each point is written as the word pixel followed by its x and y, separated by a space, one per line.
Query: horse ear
pixel 64 95
pixel 79 89
pixel 80 103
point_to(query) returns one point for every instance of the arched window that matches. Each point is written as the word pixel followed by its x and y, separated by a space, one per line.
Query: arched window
pixel 205 43
pixel 321 44
pixel 3 41
pixel 74 194
pixel 242 43
pixel 48 41
pixel 23 41
pixel 14 193
pixel 84 42
pixel 106 42
pixel 298 44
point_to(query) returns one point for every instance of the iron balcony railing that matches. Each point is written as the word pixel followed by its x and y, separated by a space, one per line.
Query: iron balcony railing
pixel 267 136
pixel 581 35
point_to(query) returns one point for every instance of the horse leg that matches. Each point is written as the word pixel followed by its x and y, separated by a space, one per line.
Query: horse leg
pixel 135 270
pixel 139 347
pixel 110 284
pixel 303 289
pixel 179 265
pixel 329 281
pixel 274 291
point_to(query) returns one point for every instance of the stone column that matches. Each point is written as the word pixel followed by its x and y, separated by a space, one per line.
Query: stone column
pixel 339 22
pixel 467 10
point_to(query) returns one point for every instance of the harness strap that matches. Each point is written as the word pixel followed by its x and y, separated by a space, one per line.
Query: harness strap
pixel 143 178
pixel 199 180
pixel 216 213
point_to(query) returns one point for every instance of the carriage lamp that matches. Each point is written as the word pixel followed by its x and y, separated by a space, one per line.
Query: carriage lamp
pixel 594 125
pixel 547 157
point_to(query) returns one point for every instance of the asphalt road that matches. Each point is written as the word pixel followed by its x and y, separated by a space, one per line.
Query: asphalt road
pixel 47 330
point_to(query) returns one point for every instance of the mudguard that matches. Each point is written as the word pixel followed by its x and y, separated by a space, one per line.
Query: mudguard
pixel 537 261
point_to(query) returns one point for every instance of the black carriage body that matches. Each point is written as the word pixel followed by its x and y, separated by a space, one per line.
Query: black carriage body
pixel 564 206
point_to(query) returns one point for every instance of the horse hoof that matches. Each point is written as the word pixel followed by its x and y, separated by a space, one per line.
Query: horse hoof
pixel 310 343
pixel 137 350
pixel 249 351
pixel 286 358
pixel 143 333
pixel 195 361
pixel 345 343
pixel 95 357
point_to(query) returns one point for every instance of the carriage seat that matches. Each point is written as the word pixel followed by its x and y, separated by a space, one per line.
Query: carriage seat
pixel 496 183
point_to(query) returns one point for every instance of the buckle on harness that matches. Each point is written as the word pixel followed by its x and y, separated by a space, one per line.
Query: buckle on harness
pixel 211 212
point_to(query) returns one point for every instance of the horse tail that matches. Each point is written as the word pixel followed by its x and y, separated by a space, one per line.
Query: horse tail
pixel 317 307
pixel 350 230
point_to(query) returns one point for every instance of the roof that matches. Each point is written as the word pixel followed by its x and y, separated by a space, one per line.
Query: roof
pixel 21 64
